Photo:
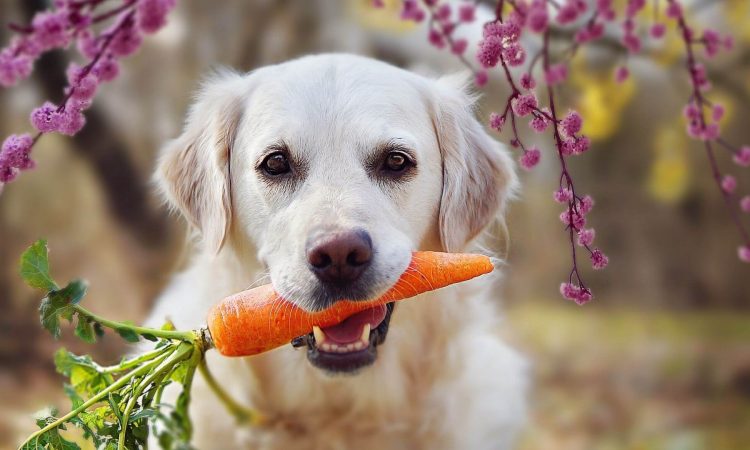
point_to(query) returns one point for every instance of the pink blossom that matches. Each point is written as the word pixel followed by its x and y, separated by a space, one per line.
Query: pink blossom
pixel 538 19
pixel 466 12
pixel 743 252
pixel 489 51
pixel 579 295
pixel 578 220
pixel 657 30
pixel 14 156
pixel 621 74
pixel 72 121
pixel 633 7
pixel 151 15
pixel 496 121
pixel 51 29
pixel 481 78
pixel 126 40
pixel 563 195
pixel 540 122
pixel 530 158
pixel 674 10
pixel 567 13
pixel 459 46
pixel 728 184
pixel 586 204
pixel 106 69
pixel 443 12
pixel 745 203
pixel 717 112
pixel 46 118
pixel 378 4
pixel 742 157
pixel 571 123
pixel 598 259
pixel 586 237
pixel 514 54
pixel 13 67
pixel 527 81
pixel 632 43
pixel 712 42
pixel 435 38
pixel 556 73
pixel 523 105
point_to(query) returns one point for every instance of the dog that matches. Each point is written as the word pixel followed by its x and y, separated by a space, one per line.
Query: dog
pixel 321 175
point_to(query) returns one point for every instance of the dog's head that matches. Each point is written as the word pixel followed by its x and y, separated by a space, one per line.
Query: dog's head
pixel 335 168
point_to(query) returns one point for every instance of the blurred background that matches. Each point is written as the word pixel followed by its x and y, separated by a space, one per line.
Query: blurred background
pixel 660 359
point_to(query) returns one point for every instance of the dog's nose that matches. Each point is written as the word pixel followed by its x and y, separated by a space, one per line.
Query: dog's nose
pixel 339 256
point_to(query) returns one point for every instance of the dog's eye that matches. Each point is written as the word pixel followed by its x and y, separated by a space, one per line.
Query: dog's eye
pixel 396 162
pixel 276 164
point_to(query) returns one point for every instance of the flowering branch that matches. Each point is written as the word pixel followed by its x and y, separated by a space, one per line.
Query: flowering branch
pixel 501 46
pixel 67 22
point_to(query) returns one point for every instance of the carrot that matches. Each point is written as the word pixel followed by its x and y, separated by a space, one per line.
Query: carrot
pixel 258 320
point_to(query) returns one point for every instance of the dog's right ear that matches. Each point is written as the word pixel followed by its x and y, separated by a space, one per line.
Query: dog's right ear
pixel 193 170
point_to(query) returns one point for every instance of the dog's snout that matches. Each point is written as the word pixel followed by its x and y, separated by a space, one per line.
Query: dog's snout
pixel 339 256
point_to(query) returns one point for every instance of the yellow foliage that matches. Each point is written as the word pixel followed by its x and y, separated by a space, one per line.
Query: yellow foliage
pixel 386 18
pixel 669 174
pixel 738 16
pixel 601 102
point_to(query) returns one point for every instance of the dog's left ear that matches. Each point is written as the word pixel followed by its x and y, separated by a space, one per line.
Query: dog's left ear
pixel 193 170
pixel 478 172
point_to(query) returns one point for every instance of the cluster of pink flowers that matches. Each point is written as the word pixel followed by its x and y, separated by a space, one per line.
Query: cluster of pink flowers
pixel 504 46
pixel 68 22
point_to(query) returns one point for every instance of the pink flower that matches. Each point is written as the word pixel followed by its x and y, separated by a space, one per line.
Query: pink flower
pixel 742 157
pixel 84 88
pixel 378 4
pixel 523 105
pixel 598 259
pixel 674 10
pixel 743 252
pixel 572 218
pixel 151 15
pixel 657 30
pixel 556 73
pixel 443 12
pixel 459 46
pixel 481 78
pixel 728 184
pixel 527 81
pixel 586 204
pixel 717 112
pixel 46 118
pixel 563 195
pixel 72 122
pixel 567 13
pixel 435 38
pixel 712 41
pixel 126 40
pixel 13 67
pixel 530 158
pixel 540 122
pixel 489 51
pixel 538 19
pixel 571 123
pixel 634 6
pixel 579 295
pixel 496 121
pixel 514 54
pixel 632 43
pixel 51 29
pixel 466 12
pixel 621 74
pixel 586 237
pixel 106 69
pixel 745 203
pixel 14 156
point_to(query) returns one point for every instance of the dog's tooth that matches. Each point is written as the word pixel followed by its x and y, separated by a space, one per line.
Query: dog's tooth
pixel 320 336
pixel 365 333
pixel 350 347
pixel 359 345
pixel 334 347
pixel 325 346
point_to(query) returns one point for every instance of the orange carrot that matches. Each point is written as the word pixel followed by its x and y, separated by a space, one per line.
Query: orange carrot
pixel 258 320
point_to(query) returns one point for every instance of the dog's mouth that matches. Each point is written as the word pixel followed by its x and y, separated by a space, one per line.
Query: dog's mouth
pixel 349 345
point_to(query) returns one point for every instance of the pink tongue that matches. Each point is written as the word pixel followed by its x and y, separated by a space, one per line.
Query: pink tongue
pixel 350 330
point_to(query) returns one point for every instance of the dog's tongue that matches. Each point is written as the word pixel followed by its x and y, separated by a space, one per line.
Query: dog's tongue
pixel 350 329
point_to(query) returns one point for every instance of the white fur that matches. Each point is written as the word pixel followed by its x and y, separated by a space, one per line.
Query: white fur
pixel 443 378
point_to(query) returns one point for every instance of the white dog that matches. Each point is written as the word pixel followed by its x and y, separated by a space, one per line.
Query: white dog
pixel 324 174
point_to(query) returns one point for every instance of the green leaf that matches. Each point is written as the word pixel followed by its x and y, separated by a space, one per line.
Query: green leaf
pixel 128 334
pixel 50 440
pixel 59 305
pixel 35 267
pixel 149 337
pixel 85 329
pixel 85 376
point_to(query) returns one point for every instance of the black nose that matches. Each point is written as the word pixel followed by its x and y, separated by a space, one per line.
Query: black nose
pixel 339 256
